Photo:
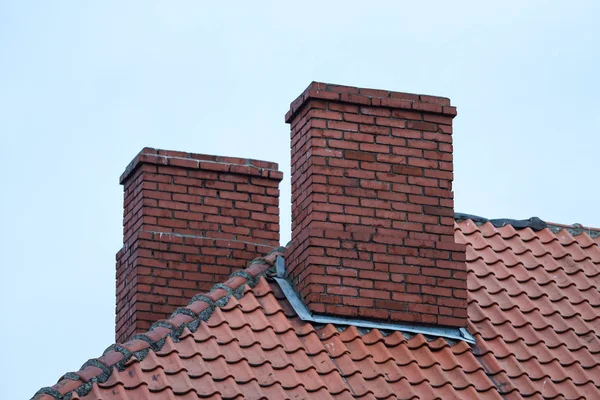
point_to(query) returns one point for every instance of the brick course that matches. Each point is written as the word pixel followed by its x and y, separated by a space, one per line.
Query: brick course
pixel 372 206
pixel 189 221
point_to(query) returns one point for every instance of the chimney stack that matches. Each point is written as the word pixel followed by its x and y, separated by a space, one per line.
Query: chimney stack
pixel 189 221
pixel 372 206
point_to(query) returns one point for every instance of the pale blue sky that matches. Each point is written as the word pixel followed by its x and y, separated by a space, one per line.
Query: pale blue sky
pixel 85 85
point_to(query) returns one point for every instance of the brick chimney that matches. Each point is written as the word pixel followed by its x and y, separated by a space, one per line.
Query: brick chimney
pixel 189 221
pixel 372 206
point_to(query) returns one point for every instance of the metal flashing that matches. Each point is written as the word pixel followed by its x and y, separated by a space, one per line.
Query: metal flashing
pixel 305 315
pixel 280 267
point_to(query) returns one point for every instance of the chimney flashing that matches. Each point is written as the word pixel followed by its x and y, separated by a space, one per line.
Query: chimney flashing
pixel 446 332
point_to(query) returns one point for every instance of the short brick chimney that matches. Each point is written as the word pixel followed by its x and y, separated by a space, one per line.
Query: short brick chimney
pixel 372 206
pixel 189 221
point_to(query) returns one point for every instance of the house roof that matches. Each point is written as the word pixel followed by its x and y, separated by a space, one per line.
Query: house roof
pixel 534 310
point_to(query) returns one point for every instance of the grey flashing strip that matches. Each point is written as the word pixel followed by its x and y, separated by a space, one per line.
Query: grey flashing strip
pixel 305 315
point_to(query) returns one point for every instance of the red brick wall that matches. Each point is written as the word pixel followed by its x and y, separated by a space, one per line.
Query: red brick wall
pixel 372 206
pixel 189 221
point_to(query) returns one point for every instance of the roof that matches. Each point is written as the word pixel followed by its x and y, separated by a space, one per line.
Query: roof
pixel 534 310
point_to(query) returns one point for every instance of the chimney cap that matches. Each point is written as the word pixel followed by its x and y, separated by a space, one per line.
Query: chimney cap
pixel 370 97
pixel 245 166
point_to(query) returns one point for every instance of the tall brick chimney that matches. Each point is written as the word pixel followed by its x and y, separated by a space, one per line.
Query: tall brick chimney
pixel 372 206
pixel 189 221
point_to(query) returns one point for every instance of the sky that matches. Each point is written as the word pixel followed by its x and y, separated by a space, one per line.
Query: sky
pixel 84 86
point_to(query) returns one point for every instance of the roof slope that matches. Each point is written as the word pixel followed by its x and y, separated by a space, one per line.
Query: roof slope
pixel 534 309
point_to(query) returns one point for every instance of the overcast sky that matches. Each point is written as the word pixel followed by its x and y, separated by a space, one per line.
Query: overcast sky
pixel 84 86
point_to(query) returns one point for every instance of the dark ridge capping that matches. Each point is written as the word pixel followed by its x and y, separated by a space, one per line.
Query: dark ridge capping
pixel 534 222
pixel 575 230
pixel 175 332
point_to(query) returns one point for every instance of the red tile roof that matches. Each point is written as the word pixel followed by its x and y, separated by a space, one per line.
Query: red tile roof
pixel 534 309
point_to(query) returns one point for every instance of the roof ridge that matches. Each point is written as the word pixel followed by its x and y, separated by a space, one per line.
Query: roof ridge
pixel 575 229
pixel 200 308
pixel 534 223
